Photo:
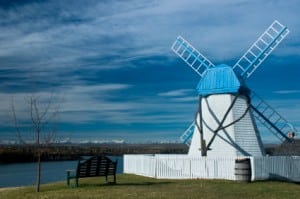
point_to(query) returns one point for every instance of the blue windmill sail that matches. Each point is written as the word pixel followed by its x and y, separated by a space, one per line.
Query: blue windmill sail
pixel 260 50
pixel 270 118
pixel 187 135
pixel 198 62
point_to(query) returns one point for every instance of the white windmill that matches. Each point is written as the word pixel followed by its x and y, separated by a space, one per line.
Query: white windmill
pixel 224 123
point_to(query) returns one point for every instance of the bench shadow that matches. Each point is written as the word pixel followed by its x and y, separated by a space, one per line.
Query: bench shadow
pixel 142 183
pixel 125 184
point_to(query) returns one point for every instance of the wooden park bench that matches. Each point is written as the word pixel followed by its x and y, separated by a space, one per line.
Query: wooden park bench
pixel 93 167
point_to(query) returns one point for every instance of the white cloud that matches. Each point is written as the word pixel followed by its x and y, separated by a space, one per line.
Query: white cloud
pixel 220 30
pixel 287 92
pixel 186 99
pixel 176 93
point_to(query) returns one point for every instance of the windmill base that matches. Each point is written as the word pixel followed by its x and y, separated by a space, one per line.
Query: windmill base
pixel 239 138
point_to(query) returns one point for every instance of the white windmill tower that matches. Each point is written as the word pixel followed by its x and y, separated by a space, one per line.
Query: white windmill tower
pixel 224 123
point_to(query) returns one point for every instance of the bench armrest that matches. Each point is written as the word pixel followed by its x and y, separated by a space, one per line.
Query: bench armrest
pixel 70 171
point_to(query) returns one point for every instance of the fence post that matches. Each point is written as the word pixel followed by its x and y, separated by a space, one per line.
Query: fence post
pixel 252 168
pixel 190 168
pixel 155 167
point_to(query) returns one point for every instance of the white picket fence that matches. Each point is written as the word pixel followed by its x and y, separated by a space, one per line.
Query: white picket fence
pixel 276 167
pixel 187 167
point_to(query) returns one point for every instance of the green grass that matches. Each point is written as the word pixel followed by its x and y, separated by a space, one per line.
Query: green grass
pixel 131 186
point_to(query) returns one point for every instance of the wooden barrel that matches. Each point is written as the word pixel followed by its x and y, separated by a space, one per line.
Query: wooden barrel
pixel 243 170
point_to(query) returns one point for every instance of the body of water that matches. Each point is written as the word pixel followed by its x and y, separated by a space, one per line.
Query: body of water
pixel 24 174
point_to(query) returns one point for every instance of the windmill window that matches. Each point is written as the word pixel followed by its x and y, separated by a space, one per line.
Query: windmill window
pixel 202 69
pixel 262 45
pixel 255 50
pixel 176 46
pixel 267 38
pixel 191 59
pixel 244 62
pixel 273 32
pixel 180 50
pixel 278 27
pixel 250 56
pixel 185 54
pixel 238 70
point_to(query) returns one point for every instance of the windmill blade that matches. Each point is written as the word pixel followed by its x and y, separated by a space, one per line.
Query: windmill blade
pixel 270 118
pixel 261 49
pixel 198 62
pixel 187 135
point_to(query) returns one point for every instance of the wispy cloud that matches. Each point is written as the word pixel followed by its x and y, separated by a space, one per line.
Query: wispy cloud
pixel 176 93
pixel 287 92
pixel 110 61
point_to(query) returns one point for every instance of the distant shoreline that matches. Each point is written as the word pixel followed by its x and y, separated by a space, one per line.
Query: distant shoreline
pixel 67 152
pixel 26 153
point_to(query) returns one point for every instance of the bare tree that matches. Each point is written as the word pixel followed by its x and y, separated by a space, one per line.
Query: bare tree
pixel 42 115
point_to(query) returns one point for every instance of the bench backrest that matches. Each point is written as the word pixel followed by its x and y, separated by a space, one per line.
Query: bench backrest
pixel 96 166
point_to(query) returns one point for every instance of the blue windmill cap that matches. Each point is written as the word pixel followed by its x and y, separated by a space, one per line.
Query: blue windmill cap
pixel 219 79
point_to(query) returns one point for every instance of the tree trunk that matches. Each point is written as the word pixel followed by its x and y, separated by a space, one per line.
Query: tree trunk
pixel 38 173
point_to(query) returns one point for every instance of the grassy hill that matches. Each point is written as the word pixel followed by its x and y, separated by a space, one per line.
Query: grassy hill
pixel 131 186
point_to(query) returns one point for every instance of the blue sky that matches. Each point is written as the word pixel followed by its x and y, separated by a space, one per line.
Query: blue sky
pixel 110 69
